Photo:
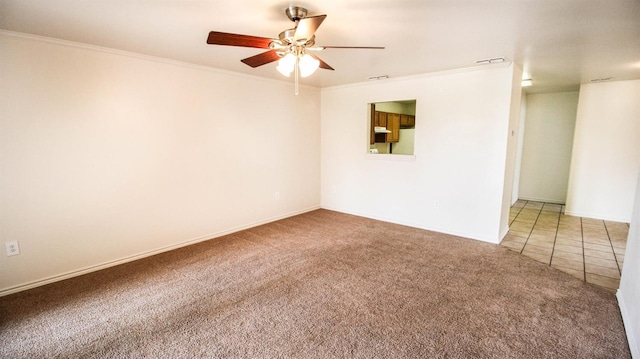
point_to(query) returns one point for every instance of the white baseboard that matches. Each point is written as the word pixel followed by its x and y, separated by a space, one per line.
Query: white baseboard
pixel 97 267
pixel 629 326
pixel 546 200
pixel 414 225
pixel 597 216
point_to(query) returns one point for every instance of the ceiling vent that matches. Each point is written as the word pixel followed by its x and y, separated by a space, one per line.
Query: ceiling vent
pixel 494 60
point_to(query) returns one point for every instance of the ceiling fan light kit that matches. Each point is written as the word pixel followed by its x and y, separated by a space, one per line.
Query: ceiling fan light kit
pixel 308 65
pixel 289 49
pixel 286 64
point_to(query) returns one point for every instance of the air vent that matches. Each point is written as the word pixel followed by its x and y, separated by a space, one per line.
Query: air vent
pixel 601 79
pixel 494 60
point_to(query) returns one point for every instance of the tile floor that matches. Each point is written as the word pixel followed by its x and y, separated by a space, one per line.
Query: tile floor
pixel 589 249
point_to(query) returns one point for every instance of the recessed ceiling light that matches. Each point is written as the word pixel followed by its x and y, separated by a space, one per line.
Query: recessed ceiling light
pixel 527 83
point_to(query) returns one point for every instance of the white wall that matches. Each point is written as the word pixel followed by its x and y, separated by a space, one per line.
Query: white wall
pixel 606 151
pixel 107 156
pixel 629 291
pixel 512 149
pixel 461 133
pixel 548 139
pixel 515 191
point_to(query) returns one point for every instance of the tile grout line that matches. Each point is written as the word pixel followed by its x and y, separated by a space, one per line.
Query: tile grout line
pixel 517 214
pixel 555 238
pixel 527 240
pixel 514 219
pixel 582 240
pixel 615 257
pixel 531 231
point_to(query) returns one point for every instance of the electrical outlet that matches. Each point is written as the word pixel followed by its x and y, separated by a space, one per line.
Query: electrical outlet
pixel 12 248
pixel 436 204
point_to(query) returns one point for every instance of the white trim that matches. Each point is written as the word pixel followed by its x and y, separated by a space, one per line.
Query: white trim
pixel 139 56
pixel 97 267
pixel 596 216
pixel 628 326
pixel 413 225
pixel 546 200
pixel 419 76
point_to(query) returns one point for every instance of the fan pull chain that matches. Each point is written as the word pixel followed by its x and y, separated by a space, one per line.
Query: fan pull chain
pixel 297 70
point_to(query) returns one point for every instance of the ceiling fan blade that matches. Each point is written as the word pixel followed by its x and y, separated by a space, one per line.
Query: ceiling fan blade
pixel 224 38
pixel 307 27
pixel 261 59
pixel 323 65
pixel 352 47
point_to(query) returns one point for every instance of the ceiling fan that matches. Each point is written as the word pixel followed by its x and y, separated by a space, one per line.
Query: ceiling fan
pixel 291 48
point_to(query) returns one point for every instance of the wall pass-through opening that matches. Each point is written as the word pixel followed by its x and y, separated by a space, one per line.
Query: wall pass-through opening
pixel 392 127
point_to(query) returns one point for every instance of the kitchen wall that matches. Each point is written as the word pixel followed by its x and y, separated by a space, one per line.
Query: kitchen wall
pixel 110 156
pixel 606 151
pixel 455 181
pixel 397 107
pixel 546 153
pixel 406 143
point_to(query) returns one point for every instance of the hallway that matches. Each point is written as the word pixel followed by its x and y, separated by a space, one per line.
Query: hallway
pixel 589 249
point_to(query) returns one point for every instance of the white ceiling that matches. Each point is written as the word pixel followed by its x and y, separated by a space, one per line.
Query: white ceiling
pixel 558 43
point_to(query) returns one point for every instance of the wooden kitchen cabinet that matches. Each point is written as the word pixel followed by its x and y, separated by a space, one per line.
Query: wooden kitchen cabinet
pixel 378 119
pixel 390 121
pixel 381 119
pixel 393 125
pixel 407 121
pixel 373 123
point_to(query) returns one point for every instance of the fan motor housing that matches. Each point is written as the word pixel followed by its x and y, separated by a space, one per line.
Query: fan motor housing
pixel 287 38
pixel 295 13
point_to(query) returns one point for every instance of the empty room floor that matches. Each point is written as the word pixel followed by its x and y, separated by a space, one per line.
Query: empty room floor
pixel 589 249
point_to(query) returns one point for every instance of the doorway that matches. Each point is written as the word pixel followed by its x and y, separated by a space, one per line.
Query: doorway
pixel 549 127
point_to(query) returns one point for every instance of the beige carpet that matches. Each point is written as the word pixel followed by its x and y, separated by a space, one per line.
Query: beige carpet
pixel 319 285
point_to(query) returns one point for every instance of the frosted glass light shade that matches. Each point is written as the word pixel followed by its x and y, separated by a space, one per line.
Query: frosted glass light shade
pixel 308 65
pixel 286 64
